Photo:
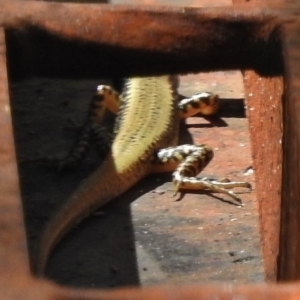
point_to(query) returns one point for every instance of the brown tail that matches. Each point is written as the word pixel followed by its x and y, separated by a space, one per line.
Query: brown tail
pixel 101 187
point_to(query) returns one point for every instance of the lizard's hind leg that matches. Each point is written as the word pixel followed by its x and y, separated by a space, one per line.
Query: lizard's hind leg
pixel 204 103
pixel 188 161
pixel 93 131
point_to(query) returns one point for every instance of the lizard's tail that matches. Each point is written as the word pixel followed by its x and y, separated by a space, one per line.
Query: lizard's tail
pixel 102 186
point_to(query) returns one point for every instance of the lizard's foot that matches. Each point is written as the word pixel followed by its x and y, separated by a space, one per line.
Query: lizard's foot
pixel 215 186
pixel 188 161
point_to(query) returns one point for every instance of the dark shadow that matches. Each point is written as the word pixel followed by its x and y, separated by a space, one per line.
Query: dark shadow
pixel 206 192
pixel 232 108
pixel 101 251
pixel 214 121
pixel 34 52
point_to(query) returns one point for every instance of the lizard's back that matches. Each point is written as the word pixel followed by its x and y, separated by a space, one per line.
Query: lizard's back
pixel 147 121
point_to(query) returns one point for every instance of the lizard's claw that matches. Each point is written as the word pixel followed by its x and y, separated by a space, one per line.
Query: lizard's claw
pixel 177 186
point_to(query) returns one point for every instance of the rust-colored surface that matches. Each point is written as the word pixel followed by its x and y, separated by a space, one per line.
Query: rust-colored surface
pixel 195 3
pixel 290 222
pixel 264 108
pixel 13 254
pixel 243 36
pixel 263 97
pixel 200 36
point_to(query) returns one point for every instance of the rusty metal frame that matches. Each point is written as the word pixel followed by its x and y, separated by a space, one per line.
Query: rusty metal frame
pixel 259 37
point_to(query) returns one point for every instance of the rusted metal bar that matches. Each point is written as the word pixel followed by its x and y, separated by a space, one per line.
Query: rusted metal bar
pixel 289 265
pixel 247 38
pixel 244 36
pixel 13 248
pixel 263 97
pixel 200 35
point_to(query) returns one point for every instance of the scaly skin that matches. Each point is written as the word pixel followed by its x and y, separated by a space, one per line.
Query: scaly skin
pixel 148 120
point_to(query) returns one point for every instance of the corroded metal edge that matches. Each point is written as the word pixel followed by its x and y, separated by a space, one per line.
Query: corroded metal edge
pixel 289 264
pixel 13 253
pixel 243 31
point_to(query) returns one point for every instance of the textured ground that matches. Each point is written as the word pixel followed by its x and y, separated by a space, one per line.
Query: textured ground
pixel 144 237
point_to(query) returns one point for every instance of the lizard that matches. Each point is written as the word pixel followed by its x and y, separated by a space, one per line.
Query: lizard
pixel 146 135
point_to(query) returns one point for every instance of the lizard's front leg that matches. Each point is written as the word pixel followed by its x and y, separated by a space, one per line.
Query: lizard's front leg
pixel 188 161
